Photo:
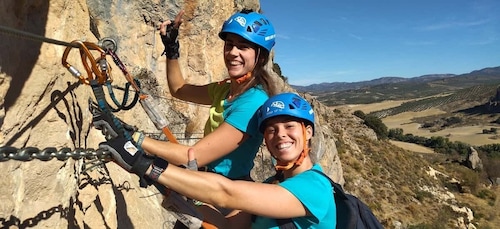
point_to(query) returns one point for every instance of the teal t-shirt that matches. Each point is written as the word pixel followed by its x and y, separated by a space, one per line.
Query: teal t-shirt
pixel 241 113
pixel 315 192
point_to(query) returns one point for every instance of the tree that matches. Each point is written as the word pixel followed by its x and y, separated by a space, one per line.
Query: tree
pixel 497 121
pixel 277 69
pixel 360 114
pixel 377 125
pixel 437 142
pixel 396 134
pixel 452 120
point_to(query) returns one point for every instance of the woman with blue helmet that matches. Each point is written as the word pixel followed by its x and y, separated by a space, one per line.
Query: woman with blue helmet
pixel 231 136
pixel 287 123
pixel 297 194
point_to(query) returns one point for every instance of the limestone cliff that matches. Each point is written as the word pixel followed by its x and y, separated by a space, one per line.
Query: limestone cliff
pixel 43 105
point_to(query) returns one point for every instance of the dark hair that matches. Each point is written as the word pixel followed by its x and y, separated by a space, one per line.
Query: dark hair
pixel 260 75
pixel 246 10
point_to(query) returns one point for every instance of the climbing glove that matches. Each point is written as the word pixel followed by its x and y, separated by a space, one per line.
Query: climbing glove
pixel 131 158
pixel 171 43
pixel 123 142
pixel 127 155
pixel 120 142
pixel 109 127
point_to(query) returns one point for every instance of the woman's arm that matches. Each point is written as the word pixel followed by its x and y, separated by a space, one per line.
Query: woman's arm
pixel 169 31
pixel 182 90
pixel 215 145
pixel 267 200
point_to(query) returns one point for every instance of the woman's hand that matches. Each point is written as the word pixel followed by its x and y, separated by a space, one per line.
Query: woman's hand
pixel 176 23
pixel 192 164
pixel 169 32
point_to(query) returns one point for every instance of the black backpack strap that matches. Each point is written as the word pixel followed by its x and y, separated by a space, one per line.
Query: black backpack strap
pixel 342 204
pixel 366 217
pixel 351 211
pixel 283 223
pixel 286 223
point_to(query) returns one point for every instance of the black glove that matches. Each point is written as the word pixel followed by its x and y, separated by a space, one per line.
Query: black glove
pixel 108 125
pixel 128 155
pixel 131 158
pixel 171 43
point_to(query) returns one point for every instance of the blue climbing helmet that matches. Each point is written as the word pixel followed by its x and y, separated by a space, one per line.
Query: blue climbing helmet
pixel 289 104
pixel 252 26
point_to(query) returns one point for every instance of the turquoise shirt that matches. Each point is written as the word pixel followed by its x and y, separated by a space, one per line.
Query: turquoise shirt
pixel 241 113
pixel 315 192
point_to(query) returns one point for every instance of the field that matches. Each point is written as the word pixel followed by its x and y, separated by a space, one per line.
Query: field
pixel 411 147
pixel 468 134
pixel 463 109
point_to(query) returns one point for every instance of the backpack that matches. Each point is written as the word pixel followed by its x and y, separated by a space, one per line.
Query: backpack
pixel 351 211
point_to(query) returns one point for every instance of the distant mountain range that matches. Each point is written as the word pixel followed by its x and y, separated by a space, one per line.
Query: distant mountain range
pixel 344 86
pixel 399 88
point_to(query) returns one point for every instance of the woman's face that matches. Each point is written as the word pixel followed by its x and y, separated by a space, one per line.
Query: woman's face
pixel 284 137
pixel 239 55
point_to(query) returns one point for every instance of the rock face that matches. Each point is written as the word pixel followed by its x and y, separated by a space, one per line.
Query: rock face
pixel 473 161
pixel 42 105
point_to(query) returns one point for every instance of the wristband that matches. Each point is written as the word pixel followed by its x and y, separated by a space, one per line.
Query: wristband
pixel 159 165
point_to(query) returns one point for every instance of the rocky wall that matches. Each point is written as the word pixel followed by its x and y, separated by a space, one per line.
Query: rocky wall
pixel 43 105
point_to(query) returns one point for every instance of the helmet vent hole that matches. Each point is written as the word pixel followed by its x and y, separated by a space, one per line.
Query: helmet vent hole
pixel 296 102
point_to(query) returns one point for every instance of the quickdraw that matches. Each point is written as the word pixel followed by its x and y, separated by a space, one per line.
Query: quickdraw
pixel 99 71
pixel 147 102
pixel 100 68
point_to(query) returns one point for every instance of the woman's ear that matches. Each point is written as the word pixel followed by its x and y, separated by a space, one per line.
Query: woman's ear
pixel 263 56
pixel 309 132
pixel 261 61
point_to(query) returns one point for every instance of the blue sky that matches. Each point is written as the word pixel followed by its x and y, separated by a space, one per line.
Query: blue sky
pixel 350 41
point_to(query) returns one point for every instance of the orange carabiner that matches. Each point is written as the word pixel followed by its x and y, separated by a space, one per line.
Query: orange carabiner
pixel 101 73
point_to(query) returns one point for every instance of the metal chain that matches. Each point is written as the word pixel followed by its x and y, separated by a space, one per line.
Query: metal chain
pixel 47 154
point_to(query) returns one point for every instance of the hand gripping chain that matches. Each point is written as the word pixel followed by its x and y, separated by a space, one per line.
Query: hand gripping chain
pixel 47 154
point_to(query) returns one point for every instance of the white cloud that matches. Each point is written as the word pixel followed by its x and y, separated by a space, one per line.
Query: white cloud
pixel 484 41
pixel 281 36
pixel 309 38
pixel 420 43
pixel 452 25
pixel 356 36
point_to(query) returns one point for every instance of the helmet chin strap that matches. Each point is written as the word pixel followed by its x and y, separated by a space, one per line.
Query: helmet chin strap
pixel 244 78
pixel 283 166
